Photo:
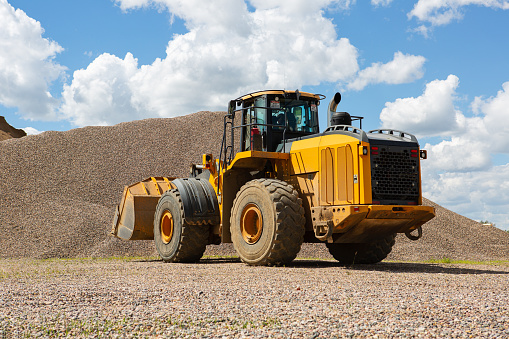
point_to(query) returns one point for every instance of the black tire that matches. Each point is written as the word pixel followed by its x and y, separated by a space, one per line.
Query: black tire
pixel 267 222
pixel 350 254
pixel 176 240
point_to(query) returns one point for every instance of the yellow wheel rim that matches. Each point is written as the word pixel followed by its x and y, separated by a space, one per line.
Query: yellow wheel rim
pixel 251 223
pixel 166 227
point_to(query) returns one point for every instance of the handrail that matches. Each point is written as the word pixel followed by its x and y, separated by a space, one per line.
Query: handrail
pixel 348 128
pixel 400 134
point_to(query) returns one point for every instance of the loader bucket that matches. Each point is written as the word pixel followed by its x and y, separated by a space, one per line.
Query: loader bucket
pixel 134 216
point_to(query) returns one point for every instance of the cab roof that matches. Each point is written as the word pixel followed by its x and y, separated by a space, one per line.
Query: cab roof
pixel 280 92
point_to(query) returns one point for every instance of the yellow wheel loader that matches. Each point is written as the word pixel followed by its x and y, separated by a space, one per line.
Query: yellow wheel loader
pixel 278 182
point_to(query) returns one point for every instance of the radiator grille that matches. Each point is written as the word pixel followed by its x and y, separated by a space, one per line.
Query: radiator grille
pixel 394 175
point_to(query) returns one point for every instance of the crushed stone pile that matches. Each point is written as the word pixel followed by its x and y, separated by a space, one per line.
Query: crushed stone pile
pixel 58 192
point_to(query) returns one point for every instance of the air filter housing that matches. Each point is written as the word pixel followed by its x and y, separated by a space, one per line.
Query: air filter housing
pixel 341 118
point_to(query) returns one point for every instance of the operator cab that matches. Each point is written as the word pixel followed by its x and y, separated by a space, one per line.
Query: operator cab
pixel 268 117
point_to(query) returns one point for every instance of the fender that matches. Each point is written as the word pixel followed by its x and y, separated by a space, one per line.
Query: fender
pixel 199 200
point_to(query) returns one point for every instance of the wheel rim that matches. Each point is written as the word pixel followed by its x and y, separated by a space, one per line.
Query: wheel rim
pixel 166 227
pixel 251 223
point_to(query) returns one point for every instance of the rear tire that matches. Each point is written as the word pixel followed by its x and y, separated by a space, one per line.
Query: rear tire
pixel 175 239
pixel 372 253
pixel 267 222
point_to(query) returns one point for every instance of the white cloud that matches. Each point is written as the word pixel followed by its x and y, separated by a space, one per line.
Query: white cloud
pixel 381 2
pixel 432 113
pixel 459 171
pixel 423 30
pixel 404 68
pixel 475 194
pixel 184 8
pixel 460 154
pixel 496 118
pixel 442 12
pixel 480 138
pixel 27 65
pixel 228 51
pixel 31 131
pixel 101 93
pixel 302 6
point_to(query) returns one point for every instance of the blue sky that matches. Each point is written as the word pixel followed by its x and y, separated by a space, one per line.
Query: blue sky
pixel 434 68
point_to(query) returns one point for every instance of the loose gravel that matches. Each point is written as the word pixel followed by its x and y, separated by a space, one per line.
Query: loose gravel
pixel 58 192
pixel 222 299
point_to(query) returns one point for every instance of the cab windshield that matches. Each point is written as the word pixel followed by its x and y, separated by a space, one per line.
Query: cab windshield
pixel 278 117
pixel 301 115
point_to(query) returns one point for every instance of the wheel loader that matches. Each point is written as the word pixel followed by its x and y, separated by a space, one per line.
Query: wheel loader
pixel 277 182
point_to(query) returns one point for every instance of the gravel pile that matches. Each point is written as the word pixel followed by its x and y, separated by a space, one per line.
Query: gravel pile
pixel 58 191
pixel 119 299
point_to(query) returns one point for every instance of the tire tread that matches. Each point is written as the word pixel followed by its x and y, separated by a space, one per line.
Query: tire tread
pixel 289 232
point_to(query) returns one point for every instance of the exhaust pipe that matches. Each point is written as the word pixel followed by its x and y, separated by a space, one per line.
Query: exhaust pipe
pixel 332 107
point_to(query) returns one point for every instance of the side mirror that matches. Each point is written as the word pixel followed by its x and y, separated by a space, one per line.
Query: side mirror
pixel 232 107
pixel 424 154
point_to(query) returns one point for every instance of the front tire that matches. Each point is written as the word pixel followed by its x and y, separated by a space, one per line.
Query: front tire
pixel 175 239
pixel 372 253
pixel 267 222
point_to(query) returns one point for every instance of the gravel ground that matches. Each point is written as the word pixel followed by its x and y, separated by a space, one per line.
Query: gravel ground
pixel 224 298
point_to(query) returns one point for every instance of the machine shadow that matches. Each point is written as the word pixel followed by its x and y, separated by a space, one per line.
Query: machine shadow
pixel 400 267
pixel 390 267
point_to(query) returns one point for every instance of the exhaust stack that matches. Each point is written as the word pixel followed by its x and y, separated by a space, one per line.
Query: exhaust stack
pixel 332 107
pixel 337 118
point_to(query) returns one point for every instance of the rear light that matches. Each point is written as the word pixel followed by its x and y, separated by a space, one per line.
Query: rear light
pixel 412 203
pixel 356 209
pixel 374 150
pixel 414 153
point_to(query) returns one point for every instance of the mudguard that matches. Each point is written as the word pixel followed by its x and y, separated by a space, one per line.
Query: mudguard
pixel 199 200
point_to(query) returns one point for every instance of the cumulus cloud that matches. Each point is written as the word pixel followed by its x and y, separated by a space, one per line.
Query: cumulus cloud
pixel 102 92
pixel 381 2
pixel 465 147
pixel 472 147
pixel 31 131
pixel 229 50
pixel 475 194
pixel 459 172
pixel 182 7
pixel 460 154
pixel 495 110
pixel 442 12
pixel 404 68
pixel 432 113
pixel 27 66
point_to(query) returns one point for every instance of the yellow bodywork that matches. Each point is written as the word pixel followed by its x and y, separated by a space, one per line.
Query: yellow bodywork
pixel 333 175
